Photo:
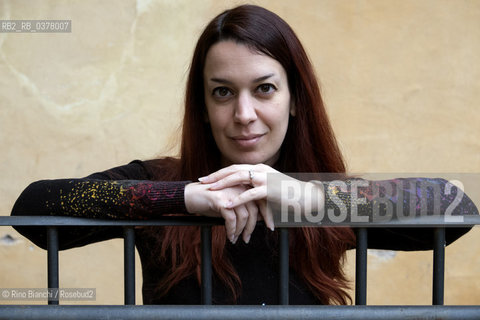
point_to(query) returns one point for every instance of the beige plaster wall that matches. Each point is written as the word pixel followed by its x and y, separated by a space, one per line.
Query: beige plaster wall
pixel 400 79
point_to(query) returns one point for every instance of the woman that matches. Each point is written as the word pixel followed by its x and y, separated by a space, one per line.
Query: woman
pixel 252 107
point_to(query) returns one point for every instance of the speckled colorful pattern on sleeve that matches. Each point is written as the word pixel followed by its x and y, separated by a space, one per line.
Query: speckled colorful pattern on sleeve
pixel 132 199
pixel 404 197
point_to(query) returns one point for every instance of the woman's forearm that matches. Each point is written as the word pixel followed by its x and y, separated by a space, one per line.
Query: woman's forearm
pixel 135 199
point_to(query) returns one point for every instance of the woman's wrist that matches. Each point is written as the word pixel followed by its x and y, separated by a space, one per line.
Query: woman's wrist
pixel 195 200
pixel 189 197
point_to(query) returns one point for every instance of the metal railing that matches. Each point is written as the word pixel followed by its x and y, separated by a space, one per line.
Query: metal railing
pixel 207 311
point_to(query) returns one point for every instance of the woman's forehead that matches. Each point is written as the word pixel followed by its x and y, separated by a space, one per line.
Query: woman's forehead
pixel 232 60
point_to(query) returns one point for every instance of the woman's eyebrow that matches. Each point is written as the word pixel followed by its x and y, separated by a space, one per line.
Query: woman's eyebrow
pixel 259 79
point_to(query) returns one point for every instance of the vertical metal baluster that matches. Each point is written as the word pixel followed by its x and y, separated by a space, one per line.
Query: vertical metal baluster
pixel 438 266
pixel 361 267
pixel 129 265
pixel 52 264
pixel 207 265
pixel 283 266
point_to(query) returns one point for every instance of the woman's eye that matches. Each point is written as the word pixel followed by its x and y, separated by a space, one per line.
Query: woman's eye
pixel 221 92
pixel 266 88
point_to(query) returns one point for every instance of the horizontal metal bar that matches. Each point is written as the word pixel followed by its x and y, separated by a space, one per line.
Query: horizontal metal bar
pixel 239 312
pixel 419 222
pixel 76 221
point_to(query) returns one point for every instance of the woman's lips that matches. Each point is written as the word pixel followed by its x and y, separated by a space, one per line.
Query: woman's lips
pixel 246 141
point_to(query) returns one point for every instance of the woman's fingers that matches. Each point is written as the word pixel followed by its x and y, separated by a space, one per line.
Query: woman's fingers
pixel 242 207
pixel 222 173
pixel 246 207
pixel 239 220
pixel 233 179
pixel 251 221
pixel 248 195
pixel 230 223
pixel 266 213
pixel 244 169
pixel 242 218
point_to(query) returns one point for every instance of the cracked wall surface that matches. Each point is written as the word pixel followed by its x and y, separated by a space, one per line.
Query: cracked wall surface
pixel 400 80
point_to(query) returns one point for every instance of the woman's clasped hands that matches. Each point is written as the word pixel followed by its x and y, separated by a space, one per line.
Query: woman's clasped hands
pixel 239 194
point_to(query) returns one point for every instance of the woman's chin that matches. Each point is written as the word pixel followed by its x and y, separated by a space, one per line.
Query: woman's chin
pixel 250 159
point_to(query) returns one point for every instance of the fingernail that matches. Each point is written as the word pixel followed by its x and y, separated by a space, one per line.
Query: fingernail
pixel 202 179
pixel 272 228
pixel 232 238
pixel 228 205
pixel 248 239
pixel 235 240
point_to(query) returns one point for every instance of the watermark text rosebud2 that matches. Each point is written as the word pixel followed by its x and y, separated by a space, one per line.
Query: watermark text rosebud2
pixel 308 199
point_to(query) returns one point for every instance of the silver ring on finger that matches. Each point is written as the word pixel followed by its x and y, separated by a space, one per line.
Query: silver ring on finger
pixel 251 176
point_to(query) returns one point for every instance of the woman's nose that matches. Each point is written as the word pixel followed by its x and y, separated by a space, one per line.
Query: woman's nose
pixel 245 109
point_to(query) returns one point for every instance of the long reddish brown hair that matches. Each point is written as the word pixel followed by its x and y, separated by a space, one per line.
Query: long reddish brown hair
pixel 310 146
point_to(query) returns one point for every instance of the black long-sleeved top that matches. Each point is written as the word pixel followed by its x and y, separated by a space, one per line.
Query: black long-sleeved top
pixel 130 192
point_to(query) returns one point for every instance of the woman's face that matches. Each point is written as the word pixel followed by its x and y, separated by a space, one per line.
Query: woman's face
pixel 248 103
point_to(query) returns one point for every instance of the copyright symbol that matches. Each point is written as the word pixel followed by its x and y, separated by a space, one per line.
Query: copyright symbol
pixel 5 293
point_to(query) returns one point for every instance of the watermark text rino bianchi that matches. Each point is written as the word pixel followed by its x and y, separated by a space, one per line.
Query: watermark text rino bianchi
pixel 35 26
pixel 43 294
